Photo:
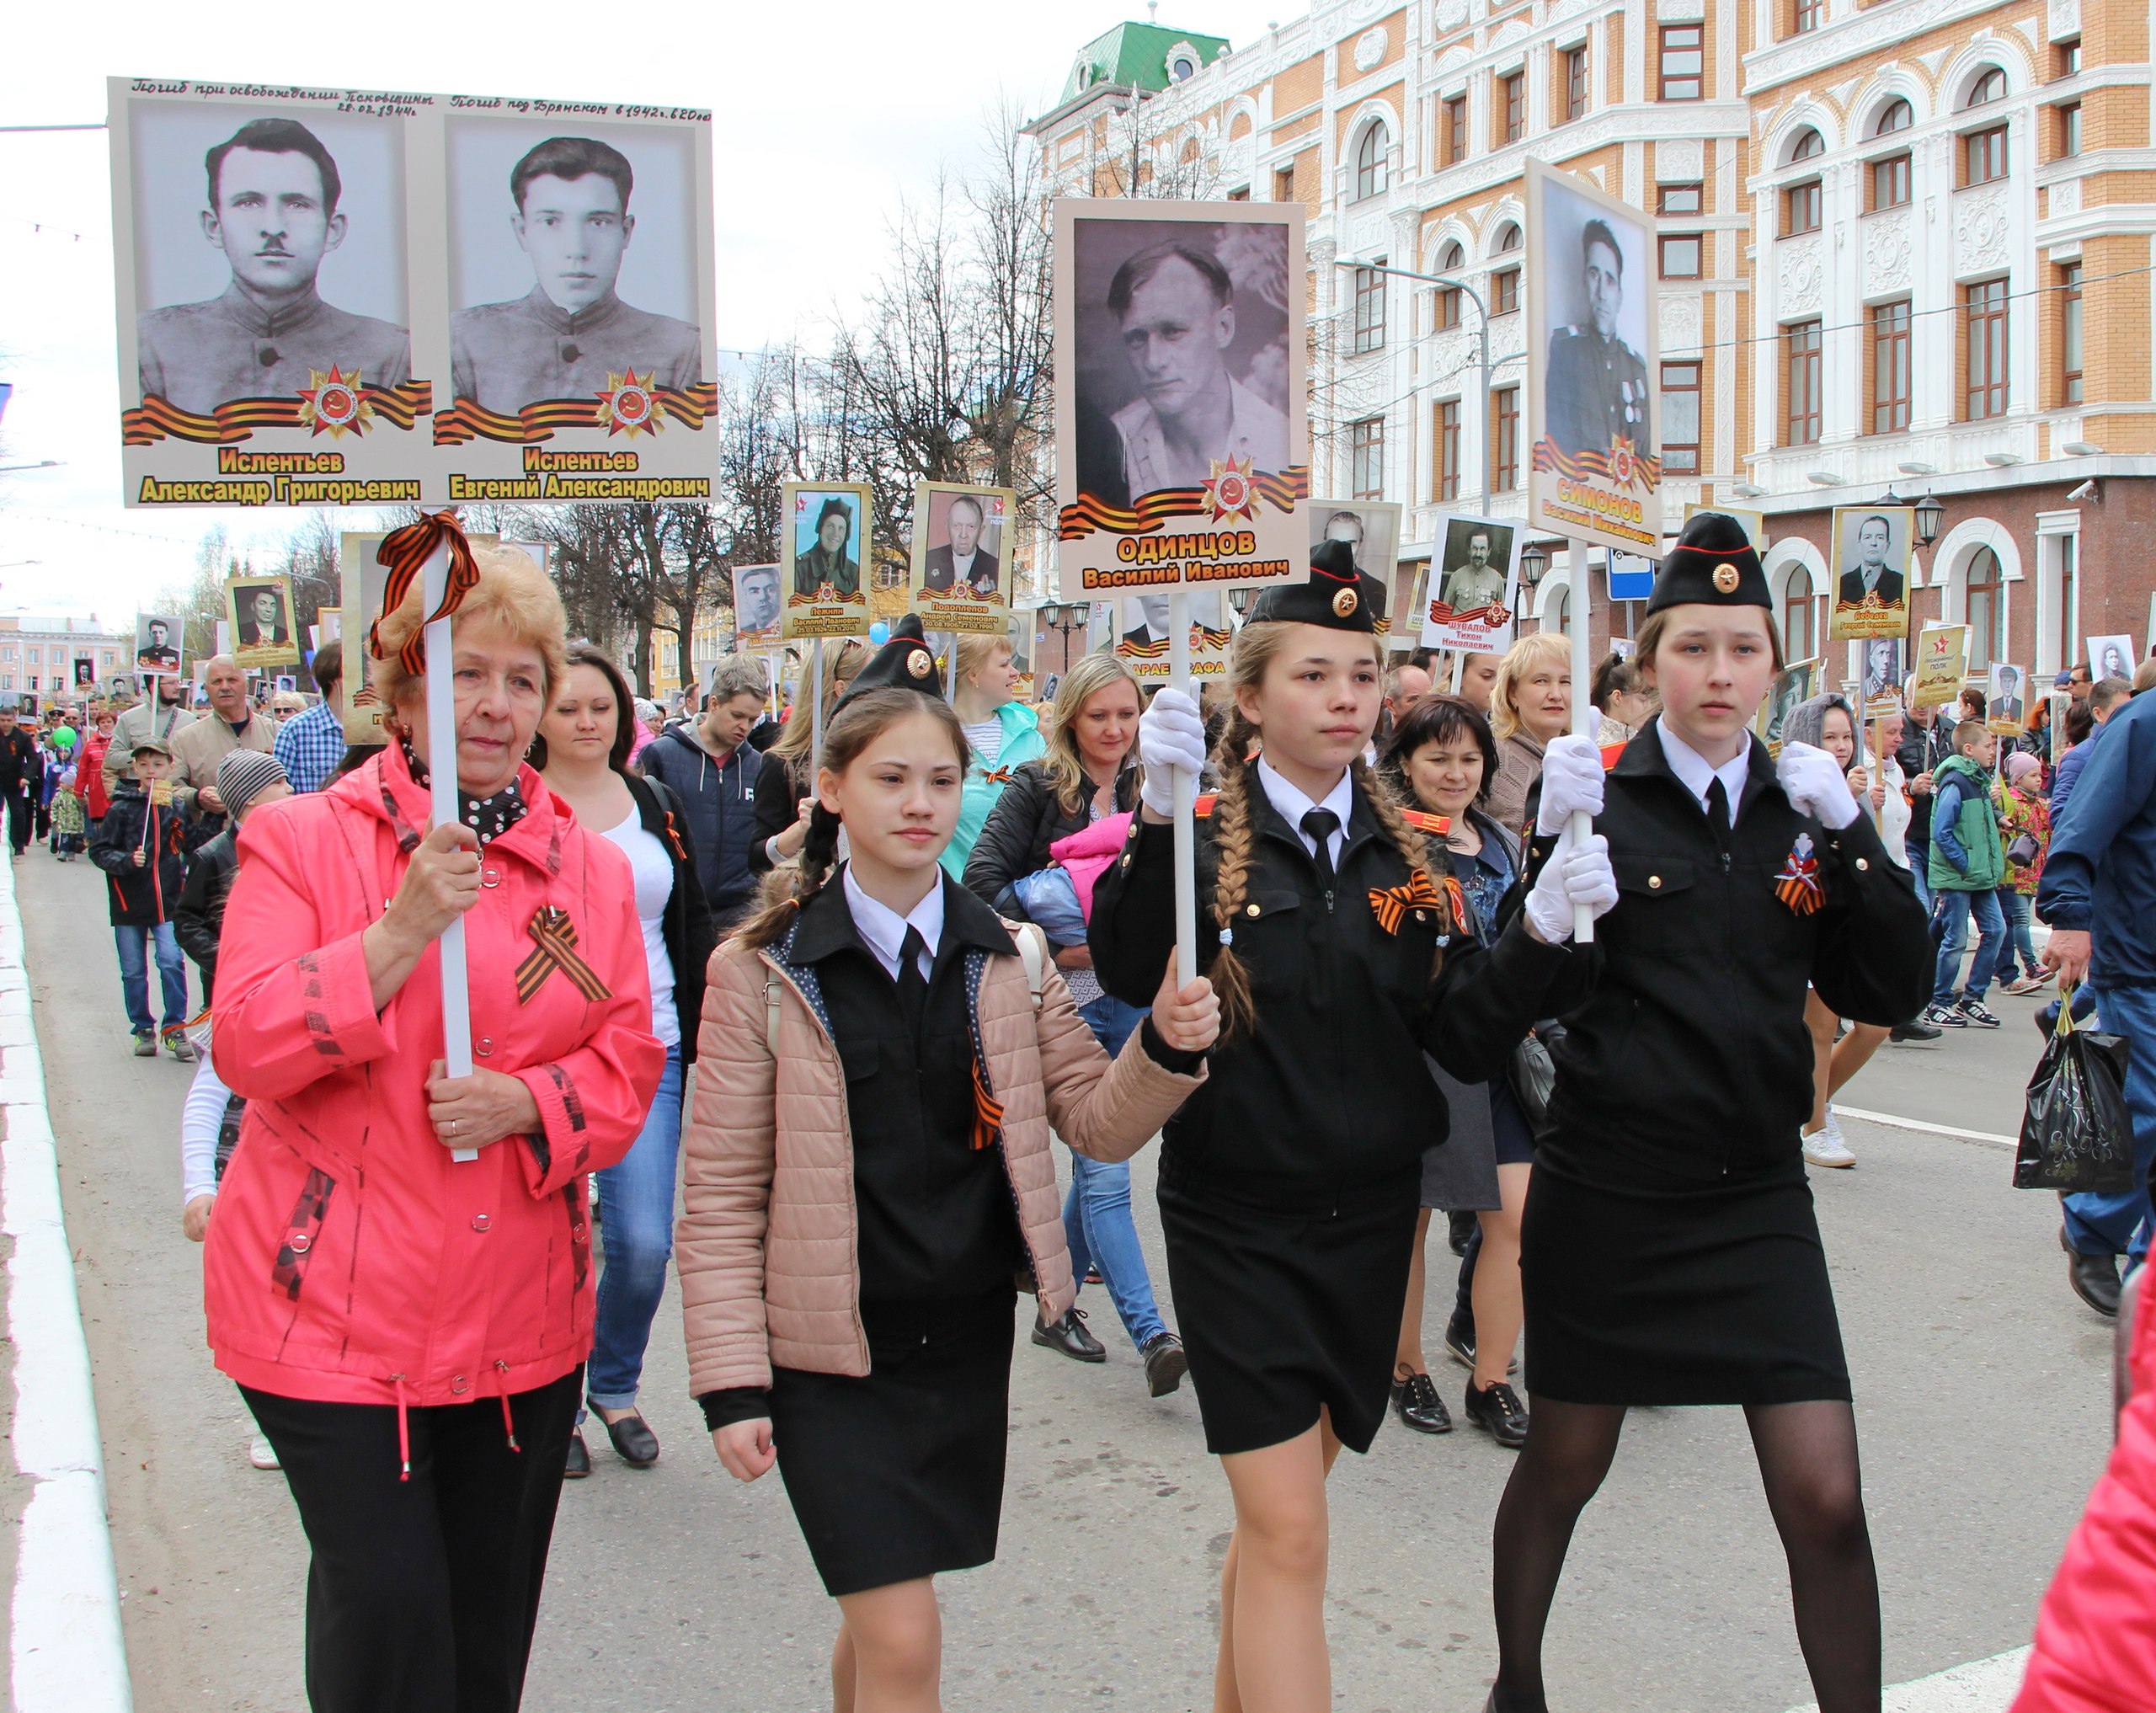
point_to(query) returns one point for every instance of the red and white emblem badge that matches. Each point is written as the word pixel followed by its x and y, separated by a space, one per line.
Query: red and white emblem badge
pixel 1229 494
pixel 627 406
pixel 335 404
pixel 1623 461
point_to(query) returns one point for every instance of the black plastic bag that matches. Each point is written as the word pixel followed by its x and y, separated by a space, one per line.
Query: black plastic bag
pixel 2076 1135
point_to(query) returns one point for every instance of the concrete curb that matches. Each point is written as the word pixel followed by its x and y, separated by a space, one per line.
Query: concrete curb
pixel 68 1654
pixel 1981 1686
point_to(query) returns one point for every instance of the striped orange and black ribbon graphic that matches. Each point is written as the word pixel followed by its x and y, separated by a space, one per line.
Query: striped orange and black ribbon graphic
pixel 1595 466
pixel 1389 903
pixel 467 419
pixel 556 934
pixel 236 419
pixel 404 552
pixel 1087 513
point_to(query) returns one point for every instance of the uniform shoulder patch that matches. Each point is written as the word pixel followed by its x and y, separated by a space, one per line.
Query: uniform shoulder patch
pixel 1205 802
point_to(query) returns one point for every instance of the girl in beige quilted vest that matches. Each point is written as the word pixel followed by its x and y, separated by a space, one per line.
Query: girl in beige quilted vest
pixel 868 1171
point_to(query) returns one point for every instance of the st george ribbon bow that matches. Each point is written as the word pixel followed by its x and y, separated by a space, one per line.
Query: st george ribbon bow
pixel 556 934
pixel 405 551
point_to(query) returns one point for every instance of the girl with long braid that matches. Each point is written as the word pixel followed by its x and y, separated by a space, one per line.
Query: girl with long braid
pixel 867 1167
pixel 1288 1183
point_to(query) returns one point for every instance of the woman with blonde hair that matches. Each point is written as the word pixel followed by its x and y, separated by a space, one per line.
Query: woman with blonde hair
pixel 788 772
pixel 1001 731
pixel 1531 705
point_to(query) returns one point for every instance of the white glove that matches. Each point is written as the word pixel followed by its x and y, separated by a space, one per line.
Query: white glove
pixel 1170 735
pixel 1572 781
pixel 1575 874
pixel 1813 783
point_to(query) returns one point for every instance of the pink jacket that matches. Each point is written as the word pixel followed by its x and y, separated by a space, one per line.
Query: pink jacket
pixel 2095 1649
pixel 350 1259
pixel 1086 854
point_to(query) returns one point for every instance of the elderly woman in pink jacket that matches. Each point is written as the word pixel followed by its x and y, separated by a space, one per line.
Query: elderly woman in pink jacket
pixel 410 1330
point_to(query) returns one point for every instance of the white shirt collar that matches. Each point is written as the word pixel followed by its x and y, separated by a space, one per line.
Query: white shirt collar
pixel 883 930
pixel 1697 773
pixel 1293 806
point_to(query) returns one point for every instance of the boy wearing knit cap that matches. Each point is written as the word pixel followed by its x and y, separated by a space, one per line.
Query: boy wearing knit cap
pixel 246 779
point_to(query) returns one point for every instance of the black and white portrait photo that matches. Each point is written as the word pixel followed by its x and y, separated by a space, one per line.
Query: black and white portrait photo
pixel 1871 559
pixel 1884 670
pixel 572 263
pixel 1142 634
pixel 267 253
pixel 2110 657
pixel 1597 292
pixel 757 607
pixel 1182 362
pixel 1470 586
pixel 1372 529
pixel 157 643
pixel 259 611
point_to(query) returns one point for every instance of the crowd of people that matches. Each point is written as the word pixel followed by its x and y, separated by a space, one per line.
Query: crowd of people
pixel 844 1001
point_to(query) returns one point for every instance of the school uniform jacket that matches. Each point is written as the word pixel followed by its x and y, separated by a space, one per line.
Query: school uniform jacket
pixel 1688 1054
pixel 1329 1089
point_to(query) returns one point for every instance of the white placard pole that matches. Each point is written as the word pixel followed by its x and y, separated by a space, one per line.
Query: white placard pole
pixel 441 742
pixel 815 710
pixel 1186 846
pixel 1585 720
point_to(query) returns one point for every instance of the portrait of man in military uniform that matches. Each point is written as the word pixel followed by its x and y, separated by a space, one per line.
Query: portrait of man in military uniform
pixel 1871 594
pixel 1597 393
pixel 826 562
pixel 1871 574
pixel 273 196
pixel 755 600
pixel 153 647
pixel 962 562
pixel 1476 581
pixel 571 336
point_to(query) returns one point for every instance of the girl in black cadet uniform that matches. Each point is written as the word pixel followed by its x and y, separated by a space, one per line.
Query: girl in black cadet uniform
pixel 1288 1183
pixel 868 1170
pixel 1669 1251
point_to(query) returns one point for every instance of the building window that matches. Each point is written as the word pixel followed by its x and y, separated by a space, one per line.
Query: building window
pixel 1680 256
pixel 1986 610
pixel 1890 367
pixel 1890 183
pixel 1504 285
pixel 1798 611
pixel 1370 163
pixel 2069 333
pixel 1284 183
pixel 2069 60
pixel 1986 306
pixel 1369 309
pixel 1896 116
pixel 2069 131
pixel 1512 107
pixel 1455 130
pixel 1989 88
pixel 1241 195
pixel 1366 458
pixel 1807 16
pixel 1575 83
pixel 1679 199
pixel 33 655
pixel 1801 204
pixel 1449 449
pixel 1680 418
pixel 1683 62
pixel 1803 342
pixel 1450 260
pixel 1504 439
pixel 1983 156
pixel 2069 549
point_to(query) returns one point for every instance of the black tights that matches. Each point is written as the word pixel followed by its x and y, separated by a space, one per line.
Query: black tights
pixel 1808 1464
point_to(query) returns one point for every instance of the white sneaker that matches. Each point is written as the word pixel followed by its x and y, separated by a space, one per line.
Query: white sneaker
pixel 259 1455
pixel 1825 1146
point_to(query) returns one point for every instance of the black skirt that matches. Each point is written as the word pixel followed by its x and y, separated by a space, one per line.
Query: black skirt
pixel 1283 1309
pixel 898 1475
pixel 1694 1295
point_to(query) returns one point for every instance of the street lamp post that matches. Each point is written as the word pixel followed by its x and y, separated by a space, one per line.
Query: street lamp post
pixel 1064 617
pixel 1452 283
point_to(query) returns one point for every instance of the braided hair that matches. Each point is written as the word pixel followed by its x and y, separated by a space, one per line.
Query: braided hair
pixel 1234 828
pixel 858 721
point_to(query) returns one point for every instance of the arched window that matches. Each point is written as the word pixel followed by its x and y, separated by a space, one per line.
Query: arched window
pixel 1985 609
pixel 1896 116
pixel 1450 260
pixel 1508 239
pixel 1504 283
pixel 1990 87
pixel 1808 144
pixel 1370 163
pixel 1800 614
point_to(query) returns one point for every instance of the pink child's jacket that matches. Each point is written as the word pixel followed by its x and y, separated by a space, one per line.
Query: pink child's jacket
pixel 349 1259
pixel 1085 855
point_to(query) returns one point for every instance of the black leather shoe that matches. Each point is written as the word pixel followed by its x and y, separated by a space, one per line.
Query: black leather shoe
pixel 1916 1029
pixel 2095 1278
pixel 580 1458
pixel 1165 1363
pixel 634 1443
pixel 1068 1336
pixel 1459 1341
pixel 1415 1398
pixel 1499 1413
pixel 1458 1228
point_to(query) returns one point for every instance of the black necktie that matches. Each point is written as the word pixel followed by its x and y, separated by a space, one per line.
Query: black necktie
pixel 1320 824
pixel 913 985
pixel 1718 812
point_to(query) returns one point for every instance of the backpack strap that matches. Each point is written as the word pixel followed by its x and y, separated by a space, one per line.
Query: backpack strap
pixel 770 1009
pixel 1032 952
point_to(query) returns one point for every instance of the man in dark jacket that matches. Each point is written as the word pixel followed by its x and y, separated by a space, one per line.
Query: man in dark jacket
pixel 712 768
pixel 2099 894
pixel 22 776
pixel 138 845
pixel 246 780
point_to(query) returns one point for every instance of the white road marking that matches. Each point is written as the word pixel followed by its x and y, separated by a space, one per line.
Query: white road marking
pixel 1981 1686
pixel 1894 1121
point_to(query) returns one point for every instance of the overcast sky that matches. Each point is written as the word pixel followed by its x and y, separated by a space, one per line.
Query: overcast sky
pixel 825 115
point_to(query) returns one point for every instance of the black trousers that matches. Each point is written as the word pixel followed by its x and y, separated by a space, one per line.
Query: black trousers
pixel 422 1594
pixel 21 811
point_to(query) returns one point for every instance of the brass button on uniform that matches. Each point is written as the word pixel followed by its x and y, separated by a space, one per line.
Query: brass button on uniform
pixel 1250 909
pixel 1654 881
pixel 1863 865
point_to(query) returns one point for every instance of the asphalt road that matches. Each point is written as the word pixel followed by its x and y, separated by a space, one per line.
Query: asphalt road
pixel 1982 1398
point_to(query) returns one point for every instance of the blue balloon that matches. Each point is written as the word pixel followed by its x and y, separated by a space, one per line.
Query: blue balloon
pixel 879 633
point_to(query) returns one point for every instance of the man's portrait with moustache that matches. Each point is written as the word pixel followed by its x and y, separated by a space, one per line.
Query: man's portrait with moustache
pixel 273 196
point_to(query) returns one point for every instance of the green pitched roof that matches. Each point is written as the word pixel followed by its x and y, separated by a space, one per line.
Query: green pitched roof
pixel 1135 55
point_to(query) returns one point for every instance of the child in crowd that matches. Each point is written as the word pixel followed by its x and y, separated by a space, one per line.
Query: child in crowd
pixel 70 824
pixel 1968 865
pixel 139 845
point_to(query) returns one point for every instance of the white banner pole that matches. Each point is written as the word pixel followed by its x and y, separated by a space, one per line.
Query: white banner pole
pixel 1186 846
pixel 815 710
pixel 1584 720
pixel 441 742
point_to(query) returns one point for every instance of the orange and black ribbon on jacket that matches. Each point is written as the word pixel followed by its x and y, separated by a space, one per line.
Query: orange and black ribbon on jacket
pixel 1389 903
pixel 556 934
pixel 405 551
